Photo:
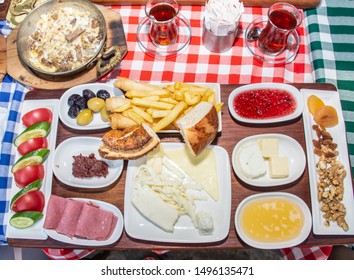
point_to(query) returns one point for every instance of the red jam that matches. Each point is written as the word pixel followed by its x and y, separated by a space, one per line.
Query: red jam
pixel 264 103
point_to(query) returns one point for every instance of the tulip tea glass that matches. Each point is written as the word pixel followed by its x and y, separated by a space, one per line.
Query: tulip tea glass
pixel 163 27
pixel 283 19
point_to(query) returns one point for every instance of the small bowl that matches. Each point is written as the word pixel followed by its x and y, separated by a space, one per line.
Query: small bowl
pixel 29 26
pixel 286 243
pixel 278 86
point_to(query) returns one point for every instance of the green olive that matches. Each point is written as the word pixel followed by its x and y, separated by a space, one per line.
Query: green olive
pixel 95 104
pixel 104 114
pixel 84 117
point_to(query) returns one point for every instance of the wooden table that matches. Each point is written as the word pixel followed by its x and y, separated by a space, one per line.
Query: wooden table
pixel 232 133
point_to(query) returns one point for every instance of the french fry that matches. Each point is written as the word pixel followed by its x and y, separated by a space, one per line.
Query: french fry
pixel 191 99
pixel 164 122
pixel 154 104
pixel 170 88
pixel 118 121
pixel 158 114
pixel 152 98
pixel 112 103
pixel 128 84
pixel 122 108
pixel 219 106
pixel 169 100
pixel 211 98
pixel 138 93
pixel 142 114
pixel 134 116
pixel 177 95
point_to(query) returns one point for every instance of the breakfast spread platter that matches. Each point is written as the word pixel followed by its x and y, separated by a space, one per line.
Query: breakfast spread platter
pixel 141 231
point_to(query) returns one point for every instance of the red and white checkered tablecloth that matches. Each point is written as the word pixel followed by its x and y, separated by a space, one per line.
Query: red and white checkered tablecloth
pixel 198 64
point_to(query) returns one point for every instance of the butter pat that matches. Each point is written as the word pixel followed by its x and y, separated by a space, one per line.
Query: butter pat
pixel 278 167
pixel 269 147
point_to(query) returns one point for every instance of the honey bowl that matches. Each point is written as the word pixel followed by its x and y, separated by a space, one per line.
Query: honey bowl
pixel 273 220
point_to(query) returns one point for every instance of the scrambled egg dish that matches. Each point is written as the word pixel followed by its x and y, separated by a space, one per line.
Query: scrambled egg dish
pixel 64 40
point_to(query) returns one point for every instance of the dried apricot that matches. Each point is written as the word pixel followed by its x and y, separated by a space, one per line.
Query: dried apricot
pixel 326 116
pixel 314 103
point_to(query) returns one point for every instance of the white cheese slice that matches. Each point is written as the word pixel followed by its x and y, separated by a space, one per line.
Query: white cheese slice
pixel 269 147
pixel 153 208
pixel 278 167
pixel 251 161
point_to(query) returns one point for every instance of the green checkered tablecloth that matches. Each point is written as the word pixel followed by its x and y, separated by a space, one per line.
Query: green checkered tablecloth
pixel 331 35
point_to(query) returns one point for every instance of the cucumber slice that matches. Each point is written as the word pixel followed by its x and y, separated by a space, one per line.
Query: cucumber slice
pixel 35 157
pixel 34 186
pixel 25 219
pixel 40 129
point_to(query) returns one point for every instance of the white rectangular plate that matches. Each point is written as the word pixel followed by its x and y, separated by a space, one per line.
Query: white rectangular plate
pixel 36 231
pixel 339 136
pixel 214 86
pixel 137 226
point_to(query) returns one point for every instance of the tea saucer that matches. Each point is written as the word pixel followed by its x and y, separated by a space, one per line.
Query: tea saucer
pixel 147 46
pixel 287 56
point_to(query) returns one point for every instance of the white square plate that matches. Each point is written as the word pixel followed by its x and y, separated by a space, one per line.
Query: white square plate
pixel 137 226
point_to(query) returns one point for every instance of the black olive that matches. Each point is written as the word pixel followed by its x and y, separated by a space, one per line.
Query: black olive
pixel 72 98
pixel 88 94
pixel 81 102
pixel 104 94
pixel 74 110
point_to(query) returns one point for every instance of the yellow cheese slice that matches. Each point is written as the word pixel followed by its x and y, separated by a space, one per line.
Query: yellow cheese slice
pixel 202 168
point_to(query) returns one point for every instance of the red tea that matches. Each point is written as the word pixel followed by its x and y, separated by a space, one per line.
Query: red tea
pixel 163 30
pixel 274 36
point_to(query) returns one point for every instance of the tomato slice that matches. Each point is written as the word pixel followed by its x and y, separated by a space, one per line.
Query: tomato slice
pixel 28 174
pixel 31 201
pixel 32 144
pixel 37 115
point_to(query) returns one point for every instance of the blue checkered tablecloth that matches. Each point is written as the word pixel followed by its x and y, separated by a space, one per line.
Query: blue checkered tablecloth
pixel 11 96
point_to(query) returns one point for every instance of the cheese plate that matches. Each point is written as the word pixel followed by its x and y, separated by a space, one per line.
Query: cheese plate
pixel 139 227
pixel 288 147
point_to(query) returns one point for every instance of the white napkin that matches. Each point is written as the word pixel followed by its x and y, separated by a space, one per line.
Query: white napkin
pixel 222 16
pixel 3 122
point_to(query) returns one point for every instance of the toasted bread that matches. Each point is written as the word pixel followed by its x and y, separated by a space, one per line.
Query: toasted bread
pixel 199 127
pixel 130 143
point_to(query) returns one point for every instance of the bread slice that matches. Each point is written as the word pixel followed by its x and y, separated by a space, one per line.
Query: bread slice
pixel 199 127
pixel 131 143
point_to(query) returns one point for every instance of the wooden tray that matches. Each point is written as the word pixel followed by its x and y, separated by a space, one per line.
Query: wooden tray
pixel 232 133
pixel 303 4
pixel 21 73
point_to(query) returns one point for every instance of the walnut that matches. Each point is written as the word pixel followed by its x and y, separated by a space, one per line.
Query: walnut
pixel 330 185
